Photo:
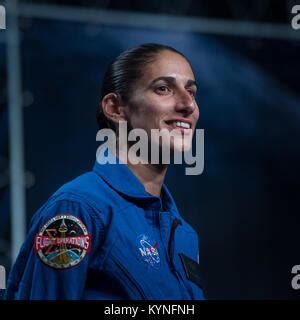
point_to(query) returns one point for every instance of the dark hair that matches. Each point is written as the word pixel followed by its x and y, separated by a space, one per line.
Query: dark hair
pixel 122 74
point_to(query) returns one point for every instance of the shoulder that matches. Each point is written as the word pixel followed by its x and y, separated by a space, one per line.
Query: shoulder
pixel 84 189
pixel 72 204
pixel 187 227
pixel 88 189
pixel 188 232
pixel 85 195
pixel 189 239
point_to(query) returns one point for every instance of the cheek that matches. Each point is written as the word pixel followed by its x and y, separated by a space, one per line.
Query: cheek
pixel 197 113
pixel 143 117
pixel 150 112
pixel 147 111
pixel 154 106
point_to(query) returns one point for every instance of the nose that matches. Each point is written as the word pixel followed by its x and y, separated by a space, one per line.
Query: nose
pixel 185 103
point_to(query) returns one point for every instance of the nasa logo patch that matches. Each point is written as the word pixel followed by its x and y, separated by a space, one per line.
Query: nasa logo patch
pixel 147 251
pixel 62 242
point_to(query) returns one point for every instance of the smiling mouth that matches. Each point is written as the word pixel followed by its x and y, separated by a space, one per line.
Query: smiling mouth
pixel 179 125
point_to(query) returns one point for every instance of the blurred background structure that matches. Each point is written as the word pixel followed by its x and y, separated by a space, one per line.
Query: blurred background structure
pixel 245 55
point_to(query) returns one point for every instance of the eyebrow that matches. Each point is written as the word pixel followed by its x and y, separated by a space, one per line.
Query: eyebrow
pixel 189 83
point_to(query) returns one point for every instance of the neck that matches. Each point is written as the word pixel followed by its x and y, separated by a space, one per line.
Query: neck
pixel 151 176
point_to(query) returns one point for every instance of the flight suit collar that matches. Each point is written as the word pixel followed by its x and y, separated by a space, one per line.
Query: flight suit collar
pixel 122 179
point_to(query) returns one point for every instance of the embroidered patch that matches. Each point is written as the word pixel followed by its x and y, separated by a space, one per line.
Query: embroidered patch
pixel 147 251
pixel 62 242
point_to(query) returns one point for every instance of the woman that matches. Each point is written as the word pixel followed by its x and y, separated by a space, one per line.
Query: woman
pixel 115 232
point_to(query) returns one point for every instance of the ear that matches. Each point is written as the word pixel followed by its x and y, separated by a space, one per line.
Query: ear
pixel 112 108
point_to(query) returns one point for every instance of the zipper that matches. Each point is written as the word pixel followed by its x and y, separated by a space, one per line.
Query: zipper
pixel 175 224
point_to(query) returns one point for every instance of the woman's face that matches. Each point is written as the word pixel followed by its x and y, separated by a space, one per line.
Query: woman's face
pixel 164 98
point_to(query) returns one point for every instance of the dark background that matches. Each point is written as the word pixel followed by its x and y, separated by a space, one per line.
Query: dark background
pixel 245 205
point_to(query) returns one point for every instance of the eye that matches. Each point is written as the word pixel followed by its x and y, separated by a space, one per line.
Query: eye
pixel 192 93
pixel 163 90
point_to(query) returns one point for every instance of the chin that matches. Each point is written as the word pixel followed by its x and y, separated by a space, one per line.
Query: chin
pixel 182 143
pixel 181 146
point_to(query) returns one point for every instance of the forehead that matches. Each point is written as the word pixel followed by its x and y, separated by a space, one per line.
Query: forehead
pixel 168 63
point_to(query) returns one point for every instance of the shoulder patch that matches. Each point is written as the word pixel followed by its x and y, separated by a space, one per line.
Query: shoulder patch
pixel 62 242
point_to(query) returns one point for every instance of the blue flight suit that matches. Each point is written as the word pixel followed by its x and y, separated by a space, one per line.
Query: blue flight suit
pixel 102 236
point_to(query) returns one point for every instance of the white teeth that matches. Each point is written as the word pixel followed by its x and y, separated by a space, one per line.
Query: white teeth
pixel 183 124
